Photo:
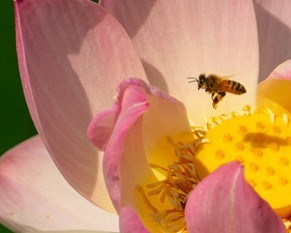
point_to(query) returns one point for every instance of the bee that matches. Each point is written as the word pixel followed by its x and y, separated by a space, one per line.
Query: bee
pixel 218 86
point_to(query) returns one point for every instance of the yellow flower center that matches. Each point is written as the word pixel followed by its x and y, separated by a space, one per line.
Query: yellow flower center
pixel 262 143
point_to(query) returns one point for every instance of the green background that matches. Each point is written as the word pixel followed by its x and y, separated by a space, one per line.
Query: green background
pixel 16 124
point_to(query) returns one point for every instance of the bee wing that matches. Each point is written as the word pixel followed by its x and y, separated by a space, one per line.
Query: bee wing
pixel 228 76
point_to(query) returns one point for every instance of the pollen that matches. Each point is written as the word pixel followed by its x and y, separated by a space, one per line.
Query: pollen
pixel 261 141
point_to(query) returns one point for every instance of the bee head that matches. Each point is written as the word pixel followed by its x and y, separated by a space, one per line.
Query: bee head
pixel 200 80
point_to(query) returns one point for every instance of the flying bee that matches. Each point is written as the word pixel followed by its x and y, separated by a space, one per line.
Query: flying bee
pixel 218 86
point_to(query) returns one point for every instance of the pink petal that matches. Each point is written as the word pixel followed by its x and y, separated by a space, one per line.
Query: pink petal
pixel 71 231
pixel 125 112
pixel 34 195
pixel 274 25
pixel 129 221
pixel 100 129
pixel 146 120
pixel 224 202
pixel 102 126
pixel 273 91
pixel 282 71
pixel 71 56
pixel 178 39
pixel 133 109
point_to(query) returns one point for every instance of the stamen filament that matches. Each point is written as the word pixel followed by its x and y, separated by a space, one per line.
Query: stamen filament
pixel 146 200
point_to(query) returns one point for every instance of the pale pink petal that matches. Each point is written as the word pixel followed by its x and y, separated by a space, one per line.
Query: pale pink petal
pixel 35 197
pixel 71 56
pixel 73 231
pixel 178 39
pixel 224 202
pixel 148 125
pixel 32 230
pixel 274 30
pixel 129 221
pixel 274 91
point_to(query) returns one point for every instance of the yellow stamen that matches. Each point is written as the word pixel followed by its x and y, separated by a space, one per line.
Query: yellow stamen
pixel 180 179
pixel 145 199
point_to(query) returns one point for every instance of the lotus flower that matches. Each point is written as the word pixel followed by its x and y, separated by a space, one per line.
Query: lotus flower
pixel 159 171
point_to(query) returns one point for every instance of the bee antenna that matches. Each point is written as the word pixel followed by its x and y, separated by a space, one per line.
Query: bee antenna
pixel 193 79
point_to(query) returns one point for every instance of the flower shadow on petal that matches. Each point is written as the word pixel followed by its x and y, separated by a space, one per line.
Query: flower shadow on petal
pixel 142 15
pixel 52 72
pixel 63 64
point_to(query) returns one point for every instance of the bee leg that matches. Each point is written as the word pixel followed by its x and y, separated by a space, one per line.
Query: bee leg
pixel 214 99
pixel 221 95
pixel 217 98
pixel 215 102
pixel 212 95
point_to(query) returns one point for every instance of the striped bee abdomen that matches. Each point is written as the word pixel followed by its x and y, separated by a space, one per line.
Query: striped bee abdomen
pixel 232 87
